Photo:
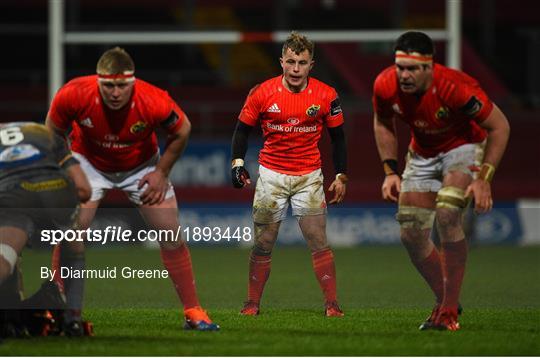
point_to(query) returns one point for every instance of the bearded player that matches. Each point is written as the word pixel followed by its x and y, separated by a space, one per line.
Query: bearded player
pixel 458 139
pixel 113 117
pixel 292 109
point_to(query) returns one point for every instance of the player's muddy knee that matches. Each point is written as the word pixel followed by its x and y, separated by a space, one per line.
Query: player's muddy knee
pixel 266 235
pixel 264 244
pixel 450 224
pixel 317 242
pixel 448 218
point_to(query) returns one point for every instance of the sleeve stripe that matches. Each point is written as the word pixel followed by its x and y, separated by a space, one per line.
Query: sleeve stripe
pixel 65 159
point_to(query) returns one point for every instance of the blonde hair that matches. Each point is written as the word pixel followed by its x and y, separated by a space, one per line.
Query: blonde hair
pixel 115 61
pixel 298 43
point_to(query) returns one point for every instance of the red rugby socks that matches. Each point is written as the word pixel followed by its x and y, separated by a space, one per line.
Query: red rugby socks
pixel 55 265
pixel 259 271
pixel 178 263
pixel 454 258
pixel 325 271
pixel 431 270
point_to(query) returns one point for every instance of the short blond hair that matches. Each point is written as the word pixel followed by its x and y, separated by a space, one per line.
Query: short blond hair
pixel 298 43
pixel 115 61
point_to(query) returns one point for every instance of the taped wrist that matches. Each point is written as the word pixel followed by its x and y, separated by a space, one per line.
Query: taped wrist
pixel 487 171
pixel 237 163
pixel 342 177
pixel 239 174
pixel 390 167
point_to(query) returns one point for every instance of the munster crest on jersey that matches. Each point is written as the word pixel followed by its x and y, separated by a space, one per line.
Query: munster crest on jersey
pixel 138 127
pixel 442 113
pixel 313 110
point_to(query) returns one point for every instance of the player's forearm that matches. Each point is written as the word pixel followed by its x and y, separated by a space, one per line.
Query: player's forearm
pixel 174 149
pixel 339 149
pixel 386 139
pixel 495 146
pixel 52 127
pixel 84 190
pixel 239 143
pixel 498 133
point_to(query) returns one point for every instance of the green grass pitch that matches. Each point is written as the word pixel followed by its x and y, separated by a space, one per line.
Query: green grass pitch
pixel 384 300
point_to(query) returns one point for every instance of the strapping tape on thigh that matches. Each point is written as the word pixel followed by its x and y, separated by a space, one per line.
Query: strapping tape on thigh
pixel 451 197
pixel 10 255
pixel 414 217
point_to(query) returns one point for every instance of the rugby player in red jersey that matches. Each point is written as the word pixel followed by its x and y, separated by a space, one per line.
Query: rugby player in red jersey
pixel 458 138
pixel 292 109
pixel 113 118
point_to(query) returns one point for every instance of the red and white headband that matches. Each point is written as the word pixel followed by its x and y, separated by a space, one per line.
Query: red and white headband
pixel 414 56
pixel 127 76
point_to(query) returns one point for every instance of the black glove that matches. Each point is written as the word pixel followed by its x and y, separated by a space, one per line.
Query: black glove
pixel 239 176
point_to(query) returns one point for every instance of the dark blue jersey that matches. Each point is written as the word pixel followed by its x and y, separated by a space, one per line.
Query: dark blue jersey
pixel 28 145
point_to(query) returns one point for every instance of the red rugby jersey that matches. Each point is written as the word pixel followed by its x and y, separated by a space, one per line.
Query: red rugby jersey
pixel 444 117
pixel 114 140
pixel 292 123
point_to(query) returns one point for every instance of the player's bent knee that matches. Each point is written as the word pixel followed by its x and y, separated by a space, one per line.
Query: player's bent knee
pixel 411 217
pixel 265 242
pixel 266 232
pixel 451 197
pixel 316 240
pixel 449 219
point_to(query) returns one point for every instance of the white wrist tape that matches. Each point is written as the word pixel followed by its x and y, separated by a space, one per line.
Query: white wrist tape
pixel 238 162
pixel 10 255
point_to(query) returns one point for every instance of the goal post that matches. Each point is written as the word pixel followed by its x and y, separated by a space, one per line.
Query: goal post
pixel 58 37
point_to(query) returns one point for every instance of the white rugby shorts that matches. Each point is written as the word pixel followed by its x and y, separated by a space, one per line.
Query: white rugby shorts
pixel 426 174
pixel 274 191
pixel 125 181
